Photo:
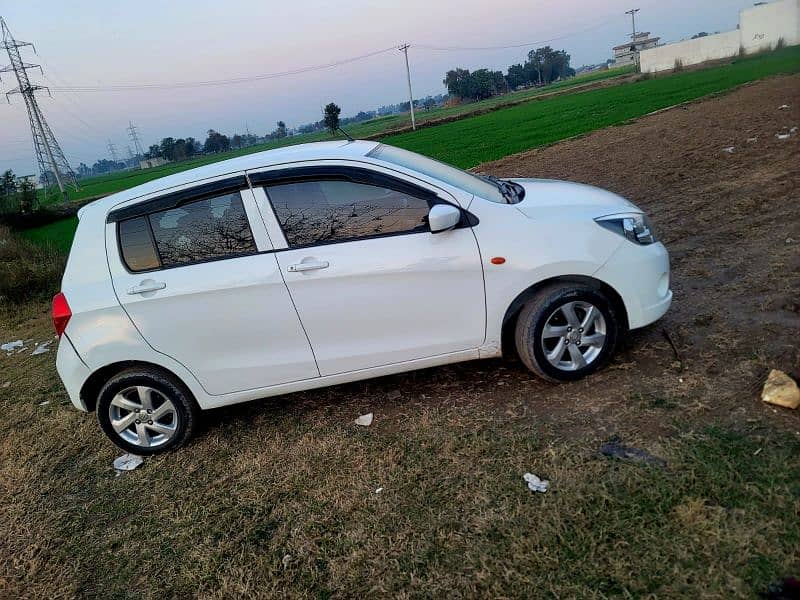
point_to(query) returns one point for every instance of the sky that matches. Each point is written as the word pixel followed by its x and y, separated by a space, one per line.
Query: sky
pixel 101 43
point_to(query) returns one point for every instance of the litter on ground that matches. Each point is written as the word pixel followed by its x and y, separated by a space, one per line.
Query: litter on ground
pixel 783 107
pixel 379 490
pixel 45 403
pixel 752 140
pixel 781 390
pixel 11 346
pixel 364 420
pixel 729 149
pixel 5 385
pixel 535 484
pixel 783 136
pixel 613 449
pixel 127 462
pixel 42 348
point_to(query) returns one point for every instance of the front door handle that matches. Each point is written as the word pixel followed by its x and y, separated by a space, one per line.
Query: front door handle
pixel 148 285
pixel 308 266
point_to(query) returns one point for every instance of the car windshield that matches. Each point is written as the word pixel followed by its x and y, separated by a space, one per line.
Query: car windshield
pixel 472 184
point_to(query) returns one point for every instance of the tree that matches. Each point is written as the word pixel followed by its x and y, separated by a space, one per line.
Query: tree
pixel 458 83
pixel 8 183
pixel 428 103
pixel 27 195
pixel 550 64
pixel 236 140
pixel 518 76
pixel 331 119
pixel 280 132
pixel 154 151
pixel 216 142
pixel 167 148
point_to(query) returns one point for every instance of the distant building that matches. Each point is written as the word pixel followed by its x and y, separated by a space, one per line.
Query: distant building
pixel 762 27
pixel 149 163
pixel 627 54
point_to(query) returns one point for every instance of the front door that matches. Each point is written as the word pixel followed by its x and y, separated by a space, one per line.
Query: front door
pixel 203 287
pixel 372 285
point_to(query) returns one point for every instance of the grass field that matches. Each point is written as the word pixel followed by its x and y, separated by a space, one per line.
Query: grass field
pixel 473 140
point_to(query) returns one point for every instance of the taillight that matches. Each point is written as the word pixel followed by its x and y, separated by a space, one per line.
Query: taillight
pixel 61 313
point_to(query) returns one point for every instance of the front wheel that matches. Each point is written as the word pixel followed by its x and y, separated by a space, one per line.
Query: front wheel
pixel 566 332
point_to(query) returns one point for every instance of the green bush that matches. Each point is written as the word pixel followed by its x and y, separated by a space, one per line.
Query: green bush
pixel 28 271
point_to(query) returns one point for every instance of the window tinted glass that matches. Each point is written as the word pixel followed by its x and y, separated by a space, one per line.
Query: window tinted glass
pixel 137 247
pixel 202 230
pixel 312 212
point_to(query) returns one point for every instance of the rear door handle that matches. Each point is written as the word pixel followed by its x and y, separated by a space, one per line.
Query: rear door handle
pixel 308 266
pixel 147 286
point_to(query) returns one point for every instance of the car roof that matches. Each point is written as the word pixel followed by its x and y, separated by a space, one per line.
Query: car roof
pixel 336 150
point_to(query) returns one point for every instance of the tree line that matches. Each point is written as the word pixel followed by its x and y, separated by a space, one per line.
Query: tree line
pixel 17 194
pixel 541 67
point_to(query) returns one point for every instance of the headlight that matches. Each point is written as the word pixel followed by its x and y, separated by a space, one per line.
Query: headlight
pixel 636 227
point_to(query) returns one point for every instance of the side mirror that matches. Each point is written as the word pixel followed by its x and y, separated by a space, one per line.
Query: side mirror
pixel 443 217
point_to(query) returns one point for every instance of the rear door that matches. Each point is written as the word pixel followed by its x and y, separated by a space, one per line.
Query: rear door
pixel 195 272
pixel 372 285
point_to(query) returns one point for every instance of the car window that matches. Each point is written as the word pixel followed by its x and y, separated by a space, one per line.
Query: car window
pixel 464 180
pixel 207 229
pixel 136 243
pixel 318 212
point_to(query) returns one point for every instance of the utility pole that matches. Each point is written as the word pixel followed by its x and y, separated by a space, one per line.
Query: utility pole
pixel 632 12
pixel 404 49
pixel 112 150
pixel 53 164
pixel 134 135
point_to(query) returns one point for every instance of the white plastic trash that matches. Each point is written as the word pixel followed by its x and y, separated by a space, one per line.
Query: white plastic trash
pixel 11 346
pixel 127 462
pixel 535 484
pixel 364 420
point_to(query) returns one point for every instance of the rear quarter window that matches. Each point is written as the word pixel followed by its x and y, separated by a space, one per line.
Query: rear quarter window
pixel 199 231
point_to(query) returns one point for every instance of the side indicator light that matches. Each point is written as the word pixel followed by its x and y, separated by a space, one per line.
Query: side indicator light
pixel 498 260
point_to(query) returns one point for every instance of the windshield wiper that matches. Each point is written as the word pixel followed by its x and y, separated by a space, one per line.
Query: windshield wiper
pixel 512 192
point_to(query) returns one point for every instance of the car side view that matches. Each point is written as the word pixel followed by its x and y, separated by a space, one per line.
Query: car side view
pixel 326 263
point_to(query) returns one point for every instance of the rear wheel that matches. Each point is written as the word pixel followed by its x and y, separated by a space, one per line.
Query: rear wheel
pixel 146 411
pixel 566 332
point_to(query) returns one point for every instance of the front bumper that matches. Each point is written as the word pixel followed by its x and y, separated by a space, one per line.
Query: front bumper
pixel 72 370
pixel 640 275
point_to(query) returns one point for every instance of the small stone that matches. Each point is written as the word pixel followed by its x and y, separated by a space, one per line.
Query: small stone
pixel 783 107
pixel 6 385
pixel 286 561
pixel 781 390
pixel 394 395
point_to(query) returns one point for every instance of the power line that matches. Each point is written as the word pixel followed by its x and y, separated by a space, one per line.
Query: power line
pixel 215 82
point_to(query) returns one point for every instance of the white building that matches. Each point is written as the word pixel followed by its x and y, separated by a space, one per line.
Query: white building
pixel 762 27
pixel 625 54
pixel 149 163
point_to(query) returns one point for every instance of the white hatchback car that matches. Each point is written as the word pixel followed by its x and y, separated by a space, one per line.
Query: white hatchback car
pixel 325 263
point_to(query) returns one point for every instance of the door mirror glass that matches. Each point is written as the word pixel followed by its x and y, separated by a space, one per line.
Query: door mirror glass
pixel 443 217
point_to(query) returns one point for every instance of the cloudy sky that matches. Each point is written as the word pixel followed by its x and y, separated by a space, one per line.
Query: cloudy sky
pixel 101 43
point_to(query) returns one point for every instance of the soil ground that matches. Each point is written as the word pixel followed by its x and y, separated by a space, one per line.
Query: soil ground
pixel 280 498
pixel 731 222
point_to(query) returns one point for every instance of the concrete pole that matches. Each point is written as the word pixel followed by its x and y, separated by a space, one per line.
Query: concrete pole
pixel 404 50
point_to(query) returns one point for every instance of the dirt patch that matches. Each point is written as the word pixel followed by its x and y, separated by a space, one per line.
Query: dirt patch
pixel 722 190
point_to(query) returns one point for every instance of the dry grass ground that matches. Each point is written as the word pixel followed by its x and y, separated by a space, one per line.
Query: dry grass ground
pixel 278 499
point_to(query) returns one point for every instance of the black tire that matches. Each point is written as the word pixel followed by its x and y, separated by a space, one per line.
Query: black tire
pixel 534 316
pixel 185 413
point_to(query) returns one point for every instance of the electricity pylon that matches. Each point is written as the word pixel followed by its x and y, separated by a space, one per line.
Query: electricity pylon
pixel 53 166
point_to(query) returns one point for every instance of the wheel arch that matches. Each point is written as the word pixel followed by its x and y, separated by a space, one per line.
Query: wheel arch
pixel 94 383
pixel 508 346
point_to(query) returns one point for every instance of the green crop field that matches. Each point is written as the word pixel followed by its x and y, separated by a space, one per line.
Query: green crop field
pixel 469 142
pixel 473 140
